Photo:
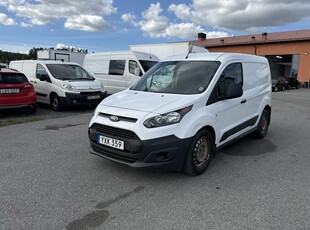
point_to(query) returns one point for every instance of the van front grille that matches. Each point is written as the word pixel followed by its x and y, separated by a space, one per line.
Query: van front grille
pixel 121 118
pixel 90 92
pixel 114 132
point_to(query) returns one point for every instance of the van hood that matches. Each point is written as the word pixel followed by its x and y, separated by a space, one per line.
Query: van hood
pixel 143 101
pixel 89 85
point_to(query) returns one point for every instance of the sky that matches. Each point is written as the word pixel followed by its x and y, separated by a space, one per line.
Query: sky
pixel 110 25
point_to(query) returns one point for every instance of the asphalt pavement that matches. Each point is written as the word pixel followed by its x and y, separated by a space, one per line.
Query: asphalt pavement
pixel 48 180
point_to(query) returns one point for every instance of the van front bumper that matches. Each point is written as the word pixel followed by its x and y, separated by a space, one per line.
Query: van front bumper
pixel 84 98
pixel 165 153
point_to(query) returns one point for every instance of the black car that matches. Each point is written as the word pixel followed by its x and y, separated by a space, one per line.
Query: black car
pixel 278 85
pixel 291 82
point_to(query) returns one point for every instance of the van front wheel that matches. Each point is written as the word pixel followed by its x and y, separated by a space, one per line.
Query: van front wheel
pixel 199 154
pixel 55 103
pixel 263 124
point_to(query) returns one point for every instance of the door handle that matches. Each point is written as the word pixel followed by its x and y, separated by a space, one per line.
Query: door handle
pixel 243 101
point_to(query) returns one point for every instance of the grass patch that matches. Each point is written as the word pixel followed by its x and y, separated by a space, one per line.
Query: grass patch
pixel 14 121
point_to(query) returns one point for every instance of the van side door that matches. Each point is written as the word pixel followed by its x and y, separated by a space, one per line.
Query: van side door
pixel 42 84
pixel 231 113
pixel 256 86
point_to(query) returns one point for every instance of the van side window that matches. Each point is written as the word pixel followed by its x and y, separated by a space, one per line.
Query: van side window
pixel 41 73
pixel 117 67
pixel 231 74
pixel 133 65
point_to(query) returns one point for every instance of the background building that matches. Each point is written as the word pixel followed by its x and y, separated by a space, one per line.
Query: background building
pixel 288 52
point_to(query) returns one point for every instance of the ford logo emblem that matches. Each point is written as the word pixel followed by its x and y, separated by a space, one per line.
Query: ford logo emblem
pixel 114 118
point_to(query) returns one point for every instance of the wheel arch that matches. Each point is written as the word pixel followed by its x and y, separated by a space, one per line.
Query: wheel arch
pixel 268 108
pixel 53 93
pixel 211 131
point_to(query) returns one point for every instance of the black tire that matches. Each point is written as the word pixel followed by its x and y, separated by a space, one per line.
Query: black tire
pixel 200 152
pixel 55 103
pixel 263 124
pixel 276 88
pixel 32 108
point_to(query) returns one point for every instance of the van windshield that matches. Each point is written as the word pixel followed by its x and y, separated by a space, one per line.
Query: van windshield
pixel 178 77
pixel 146 65
pixel 69 72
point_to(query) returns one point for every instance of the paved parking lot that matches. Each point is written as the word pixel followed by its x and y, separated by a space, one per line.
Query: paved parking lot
pixel 50 181
pixel 44 112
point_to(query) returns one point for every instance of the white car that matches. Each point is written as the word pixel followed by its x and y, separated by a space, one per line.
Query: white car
pixel 182 110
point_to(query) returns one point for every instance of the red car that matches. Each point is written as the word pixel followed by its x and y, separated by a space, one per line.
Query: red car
pixel 16 91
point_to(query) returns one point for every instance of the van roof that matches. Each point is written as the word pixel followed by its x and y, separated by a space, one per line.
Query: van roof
pixel 216 56
pixel 138 54
pixel 45 62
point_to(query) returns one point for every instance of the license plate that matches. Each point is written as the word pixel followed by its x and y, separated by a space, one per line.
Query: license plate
pixel 114 143
pixel 9 91
pixel 93 97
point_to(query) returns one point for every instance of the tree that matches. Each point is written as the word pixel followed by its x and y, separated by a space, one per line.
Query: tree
pixel 7 57
pixel 33 53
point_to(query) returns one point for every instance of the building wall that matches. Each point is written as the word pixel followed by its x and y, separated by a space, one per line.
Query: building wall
pixel 286 48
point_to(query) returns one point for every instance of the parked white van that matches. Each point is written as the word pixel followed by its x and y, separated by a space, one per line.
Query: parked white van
pixel 120 69
pixel 61 84
pixel 182 110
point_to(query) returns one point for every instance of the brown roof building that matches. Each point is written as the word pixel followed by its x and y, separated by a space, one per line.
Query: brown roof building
pixel 288 52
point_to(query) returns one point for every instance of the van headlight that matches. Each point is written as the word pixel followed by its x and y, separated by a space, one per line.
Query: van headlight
pixel 101 86
pixel 167 118
pixel 67 86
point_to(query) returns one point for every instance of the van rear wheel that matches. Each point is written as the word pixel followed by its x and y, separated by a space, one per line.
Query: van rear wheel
pixel 55 103
pixel 199 154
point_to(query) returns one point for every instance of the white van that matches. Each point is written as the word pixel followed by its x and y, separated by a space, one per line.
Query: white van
pixel 120 69
pixel 182 110
pixel 61 84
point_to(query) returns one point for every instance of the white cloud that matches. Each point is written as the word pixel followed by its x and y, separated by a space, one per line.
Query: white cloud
pixel 130 18
pixel 184 19
pixel 183 30
pixel 5 20
pixel 25 24
pixel 86 23
pixel 41 12
pixel 155 25
pixel 249 15
pixel 224 15
pixel 181 11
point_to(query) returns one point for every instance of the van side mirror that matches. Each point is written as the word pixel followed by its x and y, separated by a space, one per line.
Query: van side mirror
pixel 234 90
pixel 42 77
pixel 137 71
